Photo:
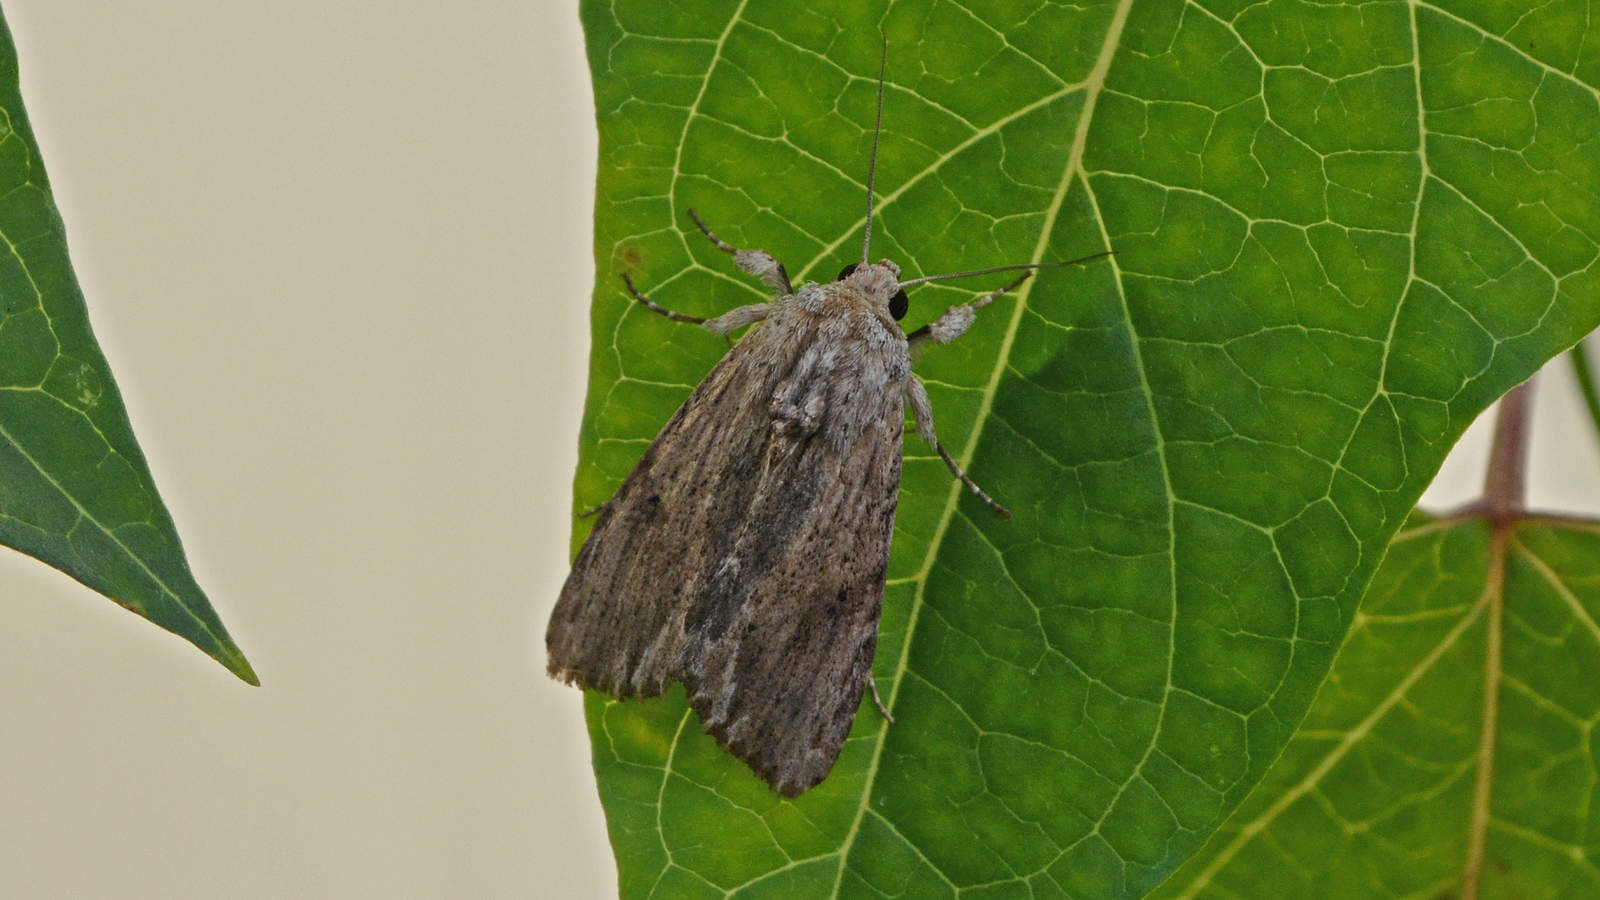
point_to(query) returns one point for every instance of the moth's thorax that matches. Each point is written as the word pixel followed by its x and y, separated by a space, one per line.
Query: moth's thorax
pixel 862 295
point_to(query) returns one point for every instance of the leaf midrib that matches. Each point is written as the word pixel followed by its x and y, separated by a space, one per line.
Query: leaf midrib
pixel 1092 86
pixel 89 517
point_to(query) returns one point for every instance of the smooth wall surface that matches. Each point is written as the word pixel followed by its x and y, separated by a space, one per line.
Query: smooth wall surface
pixel 339 258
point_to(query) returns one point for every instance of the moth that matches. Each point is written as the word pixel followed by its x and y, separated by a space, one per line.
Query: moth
pixel 745 554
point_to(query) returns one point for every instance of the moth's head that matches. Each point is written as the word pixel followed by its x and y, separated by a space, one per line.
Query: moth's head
pixel 880 281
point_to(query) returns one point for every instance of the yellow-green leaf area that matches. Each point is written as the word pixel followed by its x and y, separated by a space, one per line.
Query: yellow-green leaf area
pixel 1449 752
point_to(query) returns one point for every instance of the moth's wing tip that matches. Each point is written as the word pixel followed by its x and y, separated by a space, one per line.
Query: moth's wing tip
pixel 790 791
pixel 622 689
pixel 565 674
pixel 569 675
pixel 788 780
pixel 792 784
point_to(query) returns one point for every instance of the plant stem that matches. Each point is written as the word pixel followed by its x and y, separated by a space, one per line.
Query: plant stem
pixel 1505 481
pixel 1504 488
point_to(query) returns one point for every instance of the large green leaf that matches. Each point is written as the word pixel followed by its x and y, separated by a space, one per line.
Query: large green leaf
pixel 74 488
pixel 1341 231
pixel 1450 753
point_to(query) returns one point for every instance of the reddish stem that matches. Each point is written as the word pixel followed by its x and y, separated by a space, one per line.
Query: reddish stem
pixel 1505 481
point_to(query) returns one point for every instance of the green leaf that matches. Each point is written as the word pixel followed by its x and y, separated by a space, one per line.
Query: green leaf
pixel 1450 752
pixel 1579 358
pixel 1341 231
pixel 74 489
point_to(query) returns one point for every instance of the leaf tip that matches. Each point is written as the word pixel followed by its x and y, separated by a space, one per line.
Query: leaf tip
pixel 233 659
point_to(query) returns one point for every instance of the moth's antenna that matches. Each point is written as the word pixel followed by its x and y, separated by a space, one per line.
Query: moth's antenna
pixel 872 166
pixel 1030 266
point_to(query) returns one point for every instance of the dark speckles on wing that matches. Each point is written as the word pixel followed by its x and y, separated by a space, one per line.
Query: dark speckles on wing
pixel 745 554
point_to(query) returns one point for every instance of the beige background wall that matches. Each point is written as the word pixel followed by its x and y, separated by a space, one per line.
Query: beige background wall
pixel 338 255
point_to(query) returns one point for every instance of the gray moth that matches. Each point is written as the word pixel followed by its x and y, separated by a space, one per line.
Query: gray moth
pixel 745 554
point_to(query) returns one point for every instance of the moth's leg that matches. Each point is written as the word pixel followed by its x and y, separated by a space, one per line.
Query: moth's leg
pixel 759 263
pixel 595 510
pixel 922 412
pixel 651 305
pixel 957 319
pixel 878 698
pixel 726 323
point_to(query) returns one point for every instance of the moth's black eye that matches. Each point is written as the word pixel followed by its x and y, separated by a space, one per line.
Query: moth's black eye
pixel 847 270
pixel 898 304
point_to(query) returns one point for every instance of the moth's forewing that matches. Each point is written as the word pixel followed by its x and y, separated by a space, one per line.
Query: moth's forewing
pixel 745 554
pixel 618 625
